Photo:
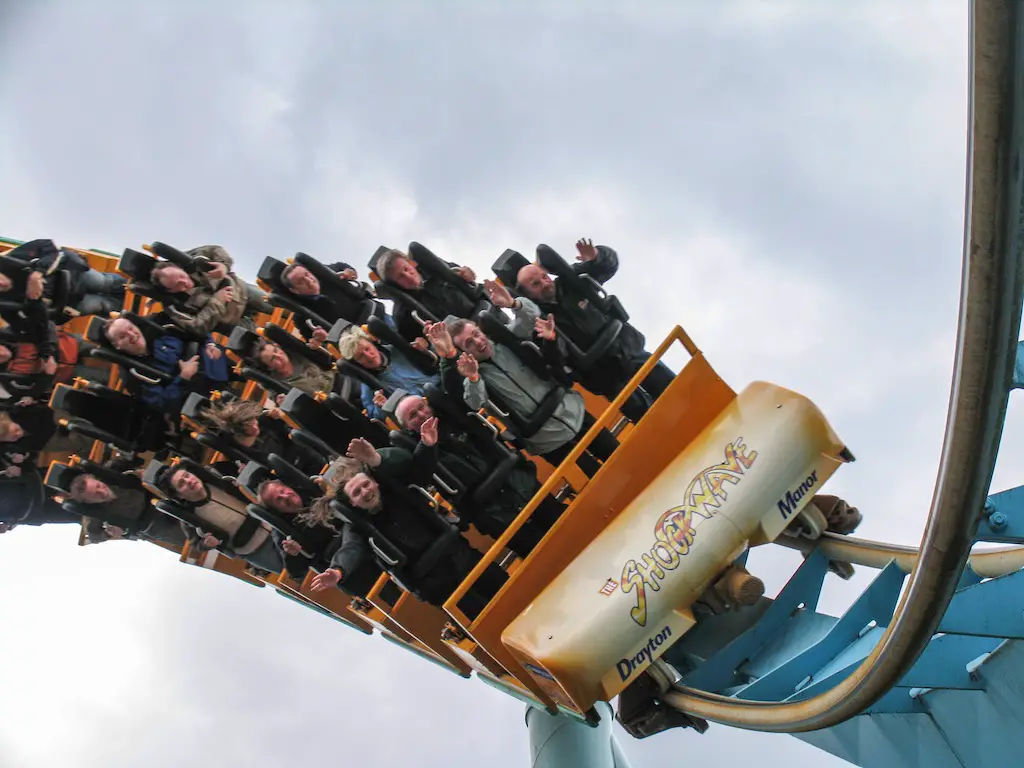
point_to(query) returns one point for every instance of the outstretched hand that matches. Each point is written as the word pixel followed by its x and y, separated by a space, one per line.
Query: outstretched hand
pixel 318 338
pixel 34 286
pixel 428 432
pixel 468 366
pixel 585 250
pixel 362 450
pixel 545 327
pixel 498 294
pixel 326 580
pixel 438 335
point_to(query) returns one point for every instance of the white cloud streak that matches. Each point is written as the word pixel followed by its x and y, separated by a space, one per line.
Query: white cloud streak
pixel 784 181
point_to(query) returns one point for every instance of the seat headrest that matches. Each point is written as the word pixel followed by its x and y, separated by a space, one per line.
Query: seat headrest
pixel 242 341
pixel 156 478
pixel 94 330
pixel 391 405
pixel 270 273
pixel 292 476
pixel 59 476
pixel 193 404
pixel 172 254
pixel 136 264
pixel 252 474
pixel 507 267
pixel 372 263
pixel 61 397
pixel 338 330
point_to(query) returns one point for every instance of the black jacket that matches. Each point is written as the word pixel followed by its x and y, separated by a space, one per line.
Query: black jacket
pixel 332 305
pixel 440 298
pixel 403 517
pixel 38 423
pixel 578 320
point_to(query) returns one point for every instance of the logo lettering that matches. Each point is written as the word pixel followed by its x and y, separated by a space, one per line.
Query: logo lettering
pixel 789 503
pixel 675 530
pixel 627 667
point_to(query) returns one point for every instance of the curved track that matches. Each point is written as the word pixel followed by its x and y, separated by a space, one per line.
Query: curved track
pixel 986 564
pixel 990 308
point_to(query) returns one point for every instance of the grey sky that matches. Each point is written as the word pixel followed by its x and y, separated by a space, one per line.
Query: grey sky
pixel 784 180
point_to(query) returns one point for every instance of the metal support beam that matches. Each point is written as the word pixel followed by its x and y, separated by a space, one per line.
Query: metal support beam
pixel 1002 520
pixel 803 589
pixel 989 609
pixel 559 741
pixel 875 604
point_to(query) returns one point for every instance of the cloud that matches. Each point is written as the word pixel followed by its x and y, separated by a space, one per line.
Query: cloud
pixel 783 180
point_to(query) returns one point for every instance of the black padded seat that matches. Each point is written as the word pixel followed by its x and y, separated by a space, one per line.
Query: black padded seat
pixel 554 264
pixel 323 421
pixel 59 476
pixel 507 267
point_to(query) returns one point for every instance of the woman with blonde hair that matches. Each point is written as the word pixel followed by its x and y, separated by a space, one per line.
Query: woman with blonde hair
pixel 388 364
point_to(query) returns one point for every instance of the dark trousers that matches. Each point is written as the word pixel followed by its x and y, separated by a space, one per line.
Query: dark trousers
pixel 540 522
pixel 438 585
pixel 614 373
pixel 600 449
pixel 657 380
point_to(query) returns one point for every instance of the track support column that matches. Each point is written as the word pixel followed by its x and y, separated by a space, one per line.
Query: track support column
pixel 559 741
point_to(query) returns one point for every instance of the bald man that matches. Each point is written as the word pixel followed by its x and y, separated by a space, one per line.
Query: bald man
pixel 579 321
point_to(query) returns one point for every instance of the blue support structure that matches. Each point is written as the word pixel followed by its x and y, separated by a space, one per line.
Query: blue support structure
pixel 559 741
pixel 960 704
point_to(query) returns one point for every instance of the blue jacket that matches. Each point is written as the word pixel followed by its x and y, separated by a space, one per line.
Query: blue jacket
pixel 166 353
pixel 400 373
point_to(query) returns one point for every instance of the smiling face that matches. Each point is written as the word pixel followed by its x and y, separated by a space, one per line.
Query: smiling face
pixel 363 491
pixel 280 497
pixel 536 283
pixel 413 411
pixel 302 282
pixel 403 273
pixel 125 336
pixel 187 486
pixel 471 339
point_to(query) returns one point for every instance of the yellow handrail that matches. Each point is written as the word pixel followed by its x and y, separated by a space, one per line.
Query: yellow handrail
pixel 558 476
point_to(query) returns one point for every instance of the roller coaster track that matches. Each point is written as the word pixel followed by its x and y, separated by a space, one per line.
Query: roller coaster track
pixel 859 685
pixel 925 673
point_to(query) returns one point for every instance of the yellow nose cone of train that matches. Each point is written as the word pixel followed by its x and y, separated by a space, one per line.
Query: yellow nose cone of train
pixel 627 597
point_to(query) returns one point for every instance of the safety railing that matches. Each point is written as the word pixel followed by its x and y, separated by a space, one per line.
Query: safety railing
pixel 558 478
